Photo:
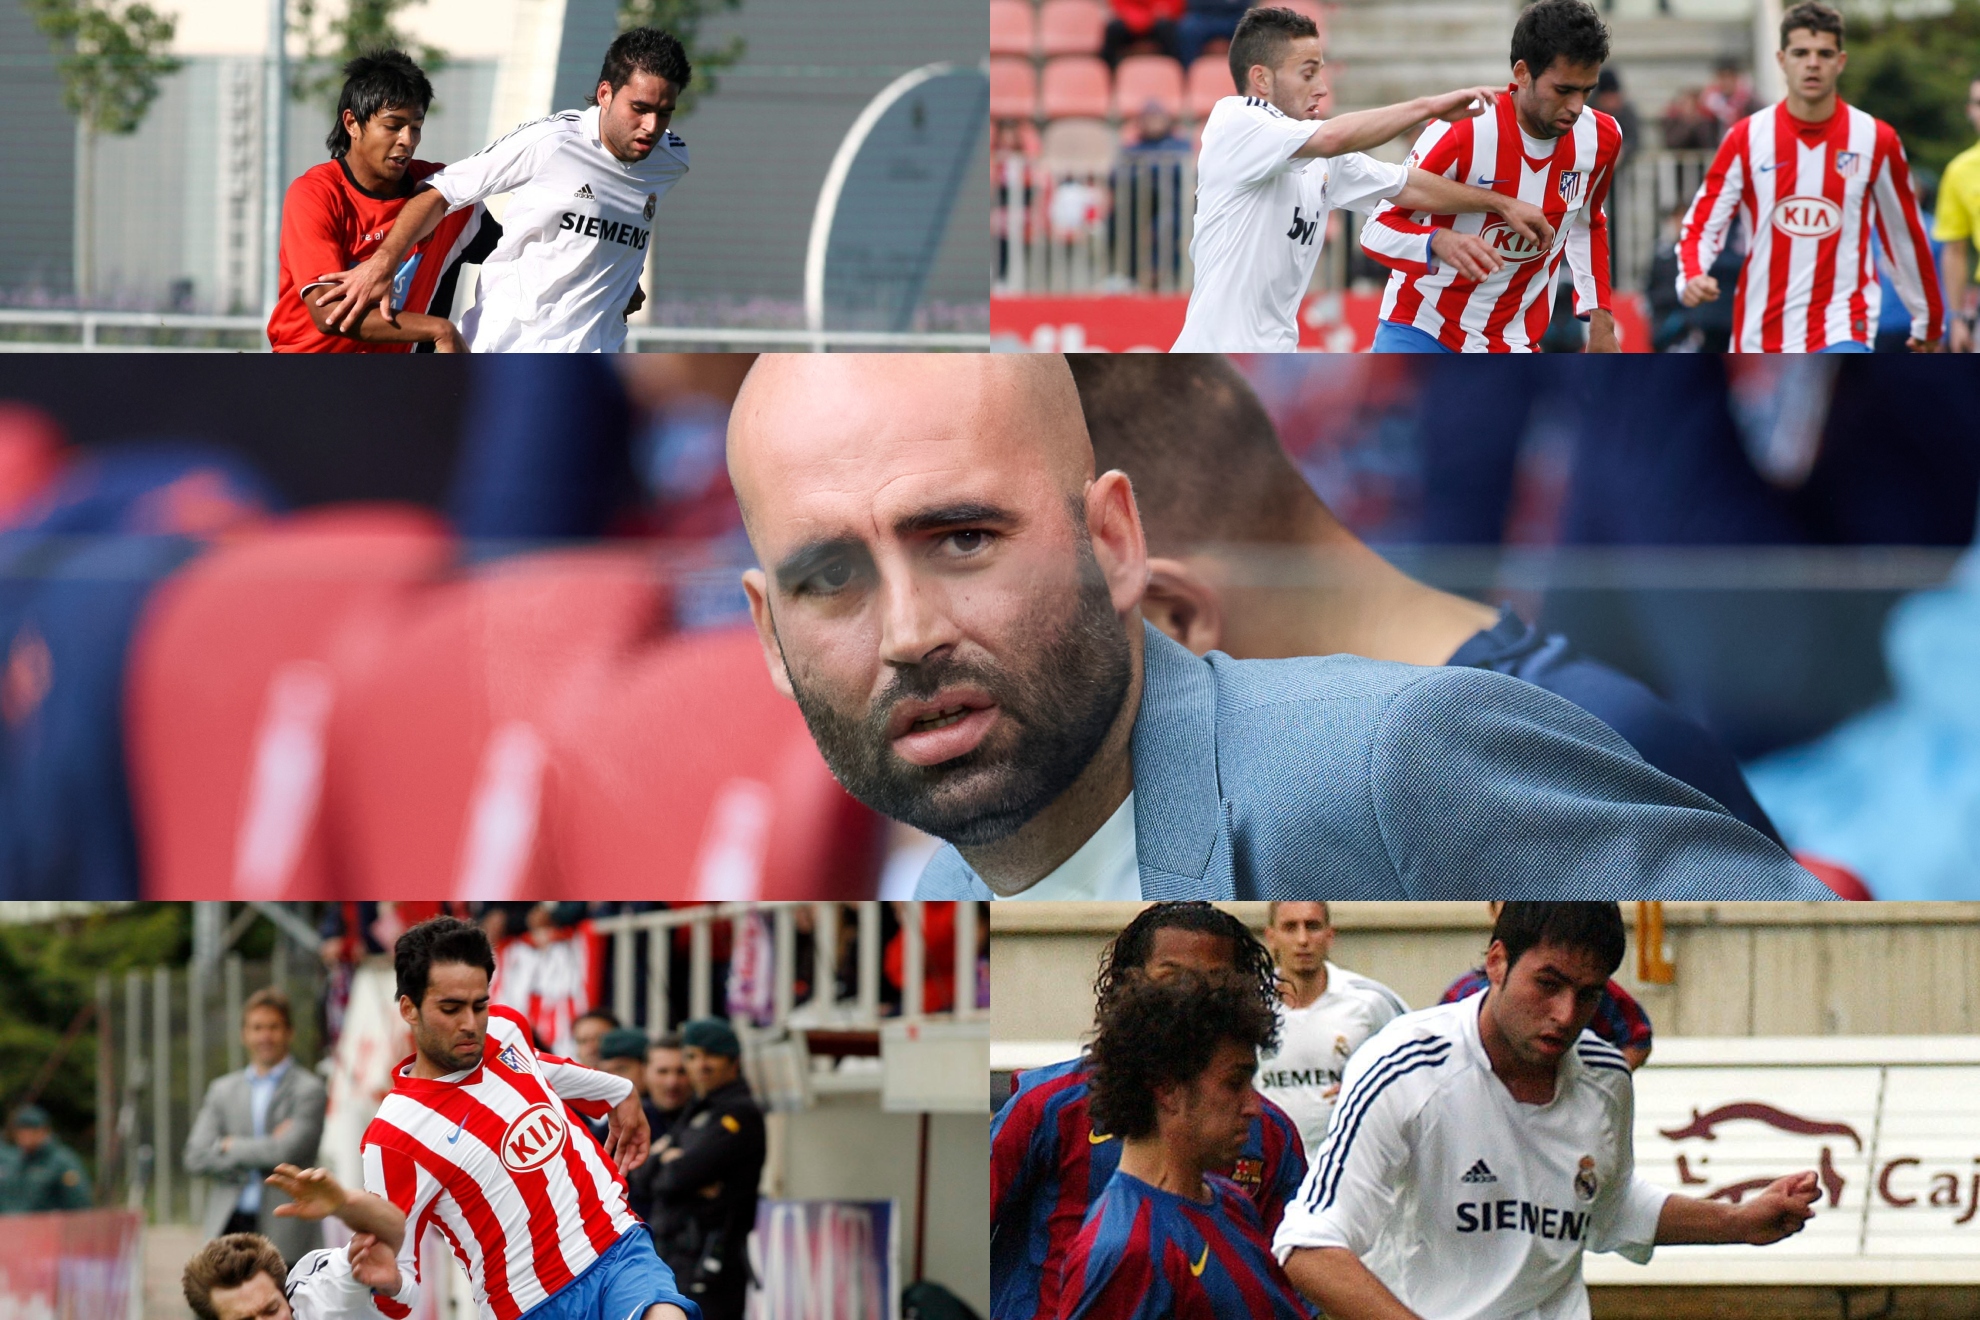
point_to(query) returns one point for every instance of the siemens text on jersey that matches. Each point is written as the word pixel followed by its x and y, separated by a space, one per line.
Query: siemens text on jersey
pixel 606 231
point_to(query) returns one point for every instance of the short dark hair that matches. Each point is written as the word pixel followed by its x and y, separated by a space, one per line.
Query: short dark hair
pixel 1127 956
pixel 1552 29
pixel 441 940
pixel 1197 446
pixel 1812 16
pixel 649 50
pixel 1164 1032
pixel 666 1040
pixel 1272 913
pixel 376 81
pixel 274 1001
pixel 1261 37
pixel 605 1015
pixel 229 1262
pixel 1595 927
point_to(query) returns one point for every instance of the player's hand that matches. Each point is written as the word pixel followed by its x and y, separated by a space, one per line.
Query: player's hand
pixel 637 301
pixel 1528 221
pixel 356 291
pixel 1464 103
pixel 374 1266
pixel 1471 255
pixel 1698 290
pixel 312 1193
pixel 1923 345
pixel 1960 338
pixel 1780 1211
pixel 1602 333
pixel 626 1134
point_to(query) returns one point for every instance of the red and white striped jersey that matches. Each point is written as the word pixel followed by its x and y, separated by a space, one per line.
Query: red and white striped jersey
pixel 1507 312
pixel 1813 196
pixel 526 1197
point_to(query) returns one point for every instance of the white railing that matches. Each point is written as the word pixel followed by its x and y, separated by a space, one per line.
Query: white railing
pixel 1651 186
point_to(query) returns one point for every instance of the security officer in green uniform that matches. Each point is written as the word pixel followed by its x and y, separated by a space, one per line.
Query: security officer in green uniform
pixel 704 1193
pixel 44 1174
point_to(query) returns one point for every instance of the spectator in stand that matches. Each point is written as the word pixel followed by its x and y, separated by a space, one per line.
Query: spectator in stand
pixel 667 1084
pixel 1675 328
pixel 1687 125
pixel 1612 101
pixel 1151 228
pixel 1140 27
pixel 707 1171
pixel 1957 225
pixel 1205 21
pixel 1729 98
pixel 268 1113
pixel 590 1029
pixel 38 1173
pixel 622 1052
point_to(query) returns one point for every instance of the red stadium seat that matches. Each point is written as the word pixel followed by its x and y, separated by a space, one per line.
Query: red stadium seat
pixel 1209 82
pixel 1078 146
pixel 1076 87
pixel 1013 27
pixel 1023 130
pixel 1071 27
pixel 685 774
pixel 32 455
pixel 1013 88
pixel 442 760
pixel 236 669
pixel 1144 78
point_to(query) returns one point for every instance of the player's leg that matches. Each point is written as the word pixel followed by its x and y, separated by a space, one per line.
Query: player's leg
pixel 1391 337
pixel 639 1286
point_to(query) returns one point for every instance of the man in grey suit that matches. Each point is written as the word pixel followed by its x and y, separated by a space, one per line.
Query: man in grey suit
pixel 269 1113
pixel 953 598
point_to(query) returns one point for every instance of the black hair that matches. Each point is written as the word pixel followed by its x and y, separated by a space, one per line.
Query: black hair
pixel 1164 1032
pixel 441 940
pixel 1594 927
pixel 666 1040
pixel 1261 37
pixel 1553 29
pixel 1127 956
pixel 1197 446
pixel 377 80
pixel 1812 16
pixel 605 1015
pixel 649 50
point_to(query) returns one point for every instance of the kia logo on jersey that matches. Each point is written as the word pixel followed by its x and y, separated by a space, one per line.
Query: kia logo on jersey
pixel 1807 217
pixel 536 1134
pixel 1509 242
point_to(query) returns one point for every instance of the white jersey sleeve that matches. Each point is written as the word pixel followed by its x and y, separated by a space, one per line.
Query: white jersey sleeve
pixel 1256 142
pixel 503 165
pixel 1361 183
pixel 322 1287
pixel 574 1081
pixel 1623 1218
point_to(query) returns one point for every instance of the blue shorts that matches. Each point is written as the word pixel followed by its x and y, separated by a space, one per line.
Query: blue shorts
pixel 1393 337
pixel 1847 346
pixel 619 1285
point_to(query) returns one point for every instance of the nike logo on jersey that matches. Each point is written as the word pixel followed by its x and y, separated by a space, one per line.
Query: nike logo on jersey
pixel 1766 169
pixel 1097 1138
pixel 457 1132
pixel 584 193
pixel 1197 1268
pixel 1521 1217
pixel 1479 1173
pixel 605 231
pixel 1484 182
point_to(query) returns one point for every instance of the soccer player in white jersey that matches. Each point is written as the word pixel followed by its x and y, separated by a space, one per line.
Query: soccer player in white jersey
pixel 1270 170
pixel 1822 187
pixel 1480 1147
pixel 1326 1013
pixel 475 1140
pixel 583 185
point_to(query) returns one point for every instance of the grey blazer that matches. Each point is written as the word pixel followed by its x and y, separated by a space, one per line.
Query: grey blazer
pixel 227 1111
pixel 1336 777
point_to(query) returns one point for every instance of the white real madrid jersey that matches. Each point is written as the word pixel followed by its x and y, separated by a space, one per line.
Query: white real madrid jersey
pixel 574 237
pixel 1467 1203
pixel 1315 1043
pixel 322 1287
pixel 1260 216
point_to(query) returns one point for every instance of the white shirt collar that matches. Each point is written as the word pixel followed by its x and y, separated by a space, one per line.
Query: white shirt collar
pixel 1103 870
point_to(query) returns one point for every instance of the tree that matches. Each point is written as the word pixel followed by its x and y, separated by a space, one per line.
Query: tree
pixel 366 26
pixel 683 18
pixel 112 55
pixel 1913 73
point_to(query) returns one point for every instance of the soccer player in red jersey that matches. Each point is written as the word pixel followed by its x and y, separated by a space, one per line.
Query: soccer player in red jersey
pixel 1470 284
pixel 477 1139
pixel 336 214
pixel 1820 184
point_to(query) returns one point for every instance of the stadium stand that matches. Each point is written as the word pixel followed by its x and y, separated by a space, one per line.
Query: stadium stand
pixel 1071 27
pixel 1076 86
pixel 1013 27
pixel 1208 82
pixel 1077 145
pixel 1141 79
pixel 1013 89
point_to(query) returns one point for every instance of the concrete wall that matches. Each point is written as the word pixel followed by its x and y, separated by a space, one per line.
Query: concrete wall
pixel 37 162
pixel 1743 969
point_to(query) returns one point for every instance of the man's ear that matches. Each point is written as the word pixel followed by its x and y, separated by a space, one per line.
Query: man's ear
pixel 1522 75
pixel 408 1011
pixel 1495 965
pixel 1183 605
pixel 1114 524
pixel 757 587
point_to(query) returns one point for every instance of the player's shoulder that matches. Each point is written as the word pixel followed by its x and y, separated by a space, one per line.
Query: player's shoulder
pixel 322 184
pixel 1367 989
pixel 1048 1089
pixel 507 1025
pixel 1598 1054
pixel 1230 111
pixel 1429 1040
pixel 560 125
pixel 1608 133
pixel 309 1265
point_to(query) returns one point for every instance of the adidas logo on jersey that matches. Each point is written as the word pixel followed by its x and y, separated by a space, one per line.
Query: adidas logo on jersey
pixel 584 193
pixel 1479 1173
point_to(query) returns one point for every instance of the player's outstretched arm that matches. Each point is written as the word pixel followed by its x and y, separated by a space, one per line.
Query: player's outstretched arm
pixel 316 1194
pixel 369 283
pixel 1441 196
pixel 1345 1289
pixel 1780 1211
pixel 1363 130
pixel 408 328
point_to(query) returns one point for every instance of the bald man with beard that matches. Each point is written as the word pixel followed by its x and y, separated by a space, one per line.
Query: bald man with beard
pixel 953 598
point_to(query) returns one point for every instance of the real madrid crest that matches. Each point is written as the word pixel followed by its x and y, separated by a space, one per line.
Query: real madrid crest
pixel 652 200
pixel 1341 1046
pixel 1586 1184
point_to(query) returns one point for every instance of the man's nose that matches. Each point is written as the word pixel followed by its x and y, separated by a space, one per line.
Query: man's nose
pixel 915 620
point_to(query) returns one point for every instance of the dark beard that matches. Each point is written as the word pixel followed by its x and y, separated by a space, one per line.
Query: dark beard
pixel 1061 708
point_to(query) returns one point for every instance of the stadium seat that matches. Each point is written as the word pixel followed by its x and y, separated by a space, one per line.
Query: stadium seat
pixel 235 670
pixel 1013 88
pixel 1026 133
pixel 1071 27
pixel 442 761
pixel 1144 78
pixel 1209 82
pixel 32 455
pixel 1077 146
pixel 1076 87
pixel 739 806
pixel 1013 27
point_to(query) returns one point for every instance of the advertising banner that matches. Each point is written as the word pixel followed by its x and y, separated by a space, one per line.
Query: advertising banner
pixel 80 1265
pixel 826 1260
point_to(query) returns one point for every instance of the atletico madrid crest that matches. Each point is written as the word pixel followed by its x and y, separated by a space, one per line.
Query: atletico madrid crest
pixel 1847 162
pixel 512 1058
pixel 1569 185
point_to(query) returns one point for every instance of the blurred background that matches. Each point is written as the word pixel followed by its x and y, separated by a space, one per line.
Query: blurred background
pixel 1097 108
pixel 148 168
pixel 449 629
